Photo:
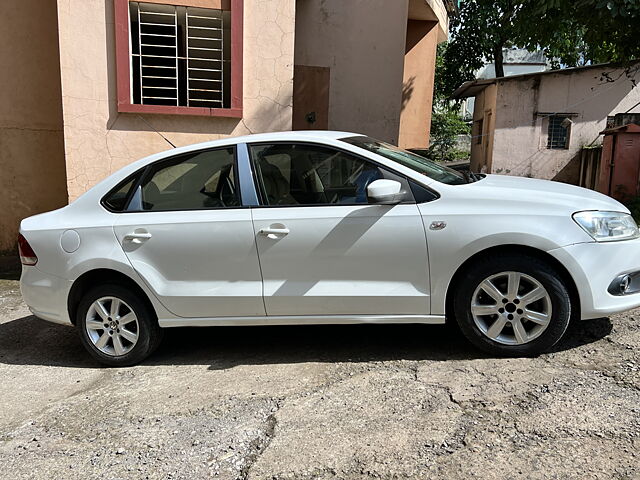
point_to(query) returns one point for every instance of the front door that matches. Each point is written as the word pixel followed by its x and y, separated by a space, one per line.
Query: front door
pixel 188 237
pixel 323 249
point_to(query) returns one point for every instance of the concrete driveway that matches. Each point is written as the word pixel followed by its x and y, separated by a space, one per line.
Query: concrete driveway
pixel 406 401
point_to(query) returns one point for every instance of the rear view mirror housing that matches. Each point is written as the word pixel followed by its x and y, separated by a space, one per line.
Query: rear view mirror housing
pixel 384 192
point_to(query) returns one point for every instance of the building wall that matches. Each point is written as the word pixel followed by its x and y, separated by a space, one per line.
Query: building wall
pixel 417 86
pixel 32 175
pixel 380 56
pixel 362 42
pixel 521 135
pixel 484 118
pixel 432 11
pixel 99 140
pixel 489 71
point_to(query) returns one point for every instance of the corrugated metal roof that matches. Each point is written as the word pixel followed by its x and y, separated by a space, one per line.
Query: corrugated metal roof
pixel 473 87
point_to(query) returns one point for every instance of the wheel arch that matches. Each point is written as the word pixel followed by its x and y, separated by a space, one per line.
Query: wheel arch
pixel 520 250
pixel 100 276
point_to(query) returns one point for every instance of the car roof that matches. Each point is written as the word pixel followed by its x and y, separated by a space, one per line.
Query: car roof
pixel 299 135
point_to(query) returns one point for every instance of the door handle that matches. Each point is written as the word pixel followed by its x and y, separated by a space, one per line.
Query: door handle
pixel 273 232
pixel 137 237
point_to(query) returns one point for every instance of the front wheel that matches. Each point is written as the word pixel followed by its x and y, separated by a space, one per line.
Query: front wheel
pixel 116 327
pixel 512 305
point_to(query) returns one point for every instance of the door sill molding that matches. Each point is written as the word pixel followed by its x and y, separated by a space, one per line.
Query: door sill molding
pixel 300 320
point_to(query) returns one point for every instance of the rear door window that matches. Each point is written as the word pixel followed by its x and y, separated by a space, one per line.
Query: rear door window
pixel 197 181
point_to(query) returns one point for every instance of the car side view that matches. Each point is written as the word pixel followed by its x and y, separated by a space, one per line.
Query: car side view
pixel 325 228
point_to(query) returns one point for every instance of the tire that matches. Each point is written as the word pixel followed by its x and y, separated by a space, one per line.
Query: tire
pixel 112 335
pixel 522 330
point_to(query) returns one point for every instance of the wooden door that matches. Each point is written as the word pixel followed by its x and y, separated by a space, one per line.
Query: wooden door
pixel 311 97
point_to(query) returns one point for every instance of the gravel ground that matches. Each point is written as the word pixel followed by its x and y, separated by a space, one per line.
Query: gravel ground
pixel 318 402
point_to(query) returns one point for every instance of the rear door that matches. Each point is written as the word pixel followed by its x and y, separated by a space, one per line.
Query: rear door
pixel 323 249
pixel 187 234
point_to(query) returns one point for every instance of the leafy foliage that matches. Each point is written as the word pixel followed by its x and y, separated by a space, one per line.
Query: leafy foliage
pixel 446 122
pixel 583 31
pixel 481 31
pixel 571 33
pixel 446 126
pixel 453 68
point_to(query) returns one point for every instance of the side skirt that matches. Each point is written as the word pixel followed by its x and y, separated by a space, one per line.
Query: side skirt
pixel 300 320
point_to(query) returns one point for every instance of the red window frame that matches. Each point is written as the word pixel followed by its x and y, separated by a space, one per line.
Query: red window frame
pixel 123 66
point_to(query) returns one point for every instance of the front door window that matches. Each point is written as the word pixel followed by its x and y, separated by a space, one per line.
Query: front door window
pixel 302 174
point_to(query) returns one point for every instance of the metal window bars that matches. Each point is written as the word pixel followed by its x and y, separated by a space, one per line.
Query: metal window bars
pixel 557 133
pixel 180 54
pixel 205 57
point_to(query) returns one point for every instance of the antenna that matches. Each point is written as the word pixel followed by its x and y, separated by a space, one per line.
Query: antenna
pixel 152 128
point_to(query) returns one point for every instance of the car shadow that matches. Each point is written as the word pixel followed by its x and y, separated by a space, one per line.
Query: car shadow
pixel 30 341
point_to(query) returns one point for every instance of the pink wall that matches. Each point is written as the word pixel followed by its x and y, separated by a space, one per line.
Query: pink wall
pixel 520 136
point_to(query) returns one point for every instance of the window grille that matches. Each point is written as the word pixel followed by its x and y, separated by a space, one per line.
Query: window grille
pixel 180 56
pixel 557 134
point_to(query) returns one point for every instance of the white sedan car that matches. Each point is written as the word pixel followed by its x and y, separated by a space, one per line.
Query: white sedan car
pixel 325 228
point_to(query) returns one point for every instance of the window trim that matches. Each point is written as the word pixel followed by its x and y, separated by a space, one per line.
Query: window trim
pixel 144 173
pixel 246 202
pixel 260 192
pixel 123 65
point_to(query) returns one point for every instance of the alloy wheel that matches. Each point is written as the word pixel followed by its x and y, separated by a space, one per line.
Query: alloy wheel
pixel 511 308
pixel 112 326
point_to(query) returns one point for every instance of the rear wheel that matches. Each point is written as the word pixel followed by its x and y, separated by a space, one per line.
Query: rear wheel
pixel 512 305
pixel 116 327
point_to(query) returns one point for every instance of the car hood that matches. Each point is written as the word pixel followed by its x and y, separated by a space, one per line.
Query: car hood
pixel 555 195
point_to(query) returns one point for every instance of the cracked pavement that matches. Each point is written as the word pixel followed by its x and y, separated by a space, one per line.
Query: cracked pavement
pixel 318 402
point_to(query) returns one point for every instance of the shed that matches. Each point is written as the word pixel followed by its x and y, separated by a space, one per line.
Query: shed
pixel 620 164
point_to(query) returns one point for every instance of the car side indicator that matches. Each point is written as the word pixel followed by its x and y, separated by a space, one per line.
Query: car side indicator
pixel 437 225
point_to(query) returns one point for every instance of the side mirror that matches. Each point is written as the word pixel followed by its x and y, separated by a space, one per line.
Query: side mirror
pixel 384 192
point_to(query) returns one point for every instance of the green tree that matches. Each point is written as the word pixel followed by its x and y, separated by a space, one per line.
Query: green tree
pixel 585 31
pixel 446 126
pixel 446 122
pixel 572 33
pixel 482 30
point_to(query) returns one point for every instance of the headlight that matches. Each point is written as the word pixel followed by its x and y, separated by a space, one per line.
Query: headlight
pixel 607 226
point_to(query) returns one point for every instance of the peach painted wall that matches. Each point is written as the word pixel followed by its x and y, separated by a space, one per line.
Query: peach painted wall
pixel 417 85
pixel 32 173
pixel 375 88
pixel 363 44
pixel 520 136
pixel 99 140
pixel 432 11
pixel 482 131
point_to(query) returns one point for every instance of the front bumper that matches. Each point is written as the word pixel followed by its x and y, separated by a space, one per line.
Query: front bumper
pixel 593 267
pixel 45 295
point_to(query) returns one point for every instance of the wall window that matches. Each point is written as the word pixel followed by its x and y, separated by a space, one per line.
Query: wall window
pixel 314 175
pixel 558 132
pixel 180 59
pixel 180 55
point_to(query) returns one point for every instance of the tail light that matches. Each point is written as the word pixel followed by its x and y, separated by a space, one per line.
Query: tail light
pixel 27 255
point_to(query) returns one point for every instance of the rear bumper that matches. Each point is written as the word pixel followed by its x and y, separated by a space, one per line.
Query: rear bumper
pixel 45 295
pixel 593 267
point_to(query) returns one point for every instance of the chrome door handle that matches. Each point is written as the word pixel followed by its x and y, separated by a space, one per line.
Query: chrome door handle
pixel 274 231
pixel 135 236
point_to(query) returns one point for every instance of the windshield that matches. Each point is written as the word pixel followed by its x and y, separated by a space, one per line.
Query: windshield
pixel 410 160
